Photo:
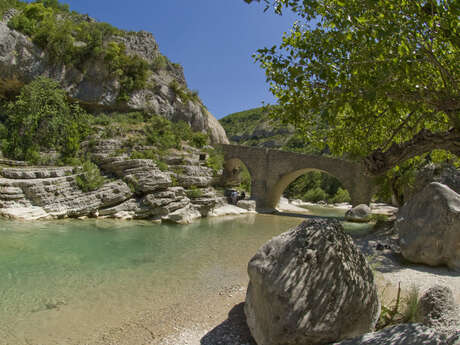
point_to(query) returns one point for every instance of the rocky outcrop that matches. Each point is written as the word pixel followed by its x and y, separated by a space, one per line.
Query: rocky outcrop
pixel 437 309
pixel 404 334
pixel 358 214
pixel 429 227
pixel 138 190
pixel 98 88
pixel 310 285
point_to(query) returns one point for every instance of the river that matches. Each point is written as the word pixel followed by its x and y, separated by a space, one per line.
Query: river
pixel 62 281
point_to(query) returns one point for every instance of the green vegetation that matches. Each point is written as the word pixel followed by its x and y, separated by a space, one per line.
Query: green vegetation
pixel 70 40
pixel 183 93
pixel 372 80
pixel 316 186
pixel 193 192
pixel 90 178
pixel 404 310
pixel 215 160
pixel 41 119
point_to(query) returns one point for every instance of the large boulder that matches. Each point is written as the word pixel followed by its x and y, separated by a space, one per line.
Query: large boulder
pixel 359 214
pixel 403 334
pixel 310 285
pixel 429 227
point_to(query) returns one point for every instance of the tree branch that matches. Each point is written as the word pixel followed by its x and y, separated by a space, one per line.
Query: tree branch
pixel 379 162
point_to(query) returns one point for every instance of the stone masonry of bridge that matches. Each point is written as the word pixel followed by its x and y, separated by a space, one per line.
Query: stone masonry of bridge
pixel 273 170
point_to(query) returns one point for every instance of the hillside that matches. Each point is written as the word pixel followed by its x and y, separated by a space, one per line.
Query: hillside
pixel 254 127
pixel 104 68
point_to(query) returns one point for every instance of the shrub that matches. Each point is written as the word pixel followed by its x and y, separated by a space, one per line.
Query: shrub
pixel 42 118
pixel 215 160
pixel 162 165
pixel 199 139
pixel 315 195
pixel 160 63
pixel 90 178
pixel 342 195
pixel 194 192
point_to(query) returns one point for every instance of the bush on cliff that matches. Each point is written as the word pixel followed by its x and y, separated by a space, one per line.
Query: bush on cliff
pixel 42 119
pixel 90 178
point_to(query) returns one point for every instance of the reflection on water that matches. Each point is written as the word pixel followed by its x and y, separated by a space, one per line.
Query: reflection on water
pixel 66 279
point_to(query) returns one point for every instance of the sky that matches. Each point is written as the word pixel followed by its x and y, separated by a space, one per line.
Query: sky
pixel 212 39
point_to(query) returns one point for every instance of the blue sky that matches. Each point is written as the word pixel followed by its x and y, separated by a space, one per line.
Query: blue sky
pixel 212 39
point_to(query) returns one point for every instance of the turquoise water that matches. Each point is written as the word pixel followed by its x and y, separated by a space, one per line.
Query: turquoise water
pixel 67 279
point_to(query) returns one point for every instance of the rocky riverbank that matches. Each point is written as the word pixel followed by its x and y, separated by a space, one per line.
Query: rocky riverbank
pixel 180 192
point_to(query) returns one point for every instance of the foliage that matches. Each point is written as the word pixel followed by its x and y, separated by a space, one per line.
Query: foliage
pixel 70 40
pixel 90 178
pixel 363 75
pixel 160 63
pixel 199 139
pixel 215 160
pixel 183 93
pixel 391 315
pixel 165 134
pixel 315 186
pixel 245 177
pixel 7 4
pixel 401 178
pixel 159 132
pixel 132 71
pixel 314 195
pixel 193 192
pixel 342 195
pixel 42 119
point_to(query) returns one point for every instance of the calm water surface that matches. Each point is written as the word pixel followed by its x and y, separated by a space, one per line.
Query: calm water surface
pixel 62 277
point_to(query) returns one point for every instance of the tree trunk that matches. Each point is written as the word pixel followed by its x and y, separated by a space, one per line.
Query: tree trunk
pixel 378 162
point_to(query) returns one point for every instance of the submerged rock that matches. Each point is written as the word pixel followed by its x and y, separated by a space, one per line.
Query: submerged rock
pixel 310 285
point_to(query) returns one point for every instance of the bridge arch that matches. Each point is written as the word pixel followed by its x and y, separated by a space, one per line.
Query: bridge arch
pixel 276 192
pixel 273 170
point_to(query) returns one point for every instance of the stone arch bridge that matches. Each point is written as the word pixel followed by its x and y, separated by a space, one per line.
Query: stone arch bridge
pixel 273 170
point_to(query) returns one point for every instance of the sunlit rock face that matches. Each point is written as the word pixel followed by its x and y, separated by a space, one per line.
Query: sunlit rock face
pixel 310 285
pixel 97 88
pixel 429 227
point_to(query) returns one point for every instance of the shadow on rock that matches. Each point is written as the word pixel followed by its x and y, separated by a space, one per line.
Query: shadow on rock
pixel 233 331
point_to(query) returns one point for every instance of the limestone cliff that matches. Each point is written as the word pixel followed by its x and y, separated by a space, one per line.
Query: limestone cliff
pixel 98 88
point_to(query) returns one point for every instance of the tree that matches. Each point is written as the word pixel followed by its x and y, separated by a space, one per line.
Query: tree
pixel 42 118
pixel 373 79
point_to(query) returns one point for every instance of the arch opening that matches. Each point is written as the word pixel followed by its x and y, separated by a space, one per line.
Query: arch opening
pixel 311 185
pixel 237 175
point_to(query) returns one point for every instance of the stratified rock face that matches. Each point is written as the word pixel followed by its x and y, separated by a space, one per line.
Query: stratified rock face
pixel 437 309
pixel 404 334
pixel 97 87
pixel 359 214
pixel 429 227
pixel 309 286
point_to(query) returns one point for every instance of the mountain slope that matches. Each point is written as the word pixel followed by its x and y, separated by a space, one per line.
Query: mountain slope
pixel 104 68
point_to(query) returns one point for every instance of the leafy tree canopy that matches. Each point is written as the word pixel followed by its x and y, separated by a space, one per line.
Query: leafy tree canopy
pixel 375 79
